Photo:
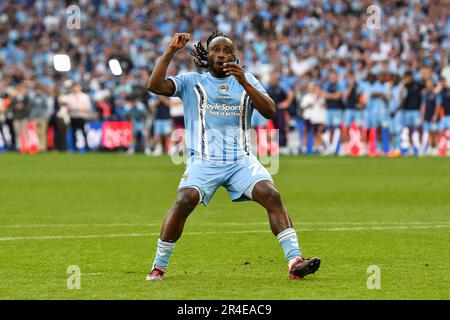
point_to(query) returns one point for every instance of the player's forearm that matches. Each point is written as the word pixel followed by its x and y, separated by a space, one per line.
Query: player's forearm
pixel 157 82
pixel 262 102
pixel 436 113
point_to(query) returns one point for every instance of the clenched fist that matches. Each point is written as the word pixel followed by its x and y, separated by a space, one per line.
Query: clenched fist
pixel 178 41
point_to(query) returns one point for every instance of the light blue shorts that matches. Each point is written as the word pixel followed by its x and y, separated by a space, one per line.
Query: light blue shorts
pixel 445 123
pixel 353 115
pixel 396 123
pixel 411 118
pixel 334 117
pixel 238 178
pixel 138 127
pixel 163 127
pixel 376 117
pixel 430 126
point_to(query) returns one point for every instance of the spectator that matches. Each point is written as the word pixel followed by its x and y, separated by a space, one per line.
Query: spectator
pixel 136 113
pixel 162 125
pixel 332 92
pixel 282 98
pixel 396 90
pixel 60 120
pixel 352 109
pixel 79 108
pixel 411 105
pixel 445 105
pixel 5 130
pixel 429 113
pixel 20 108
pixel 377 109
pixel 39 114
pixel 314 114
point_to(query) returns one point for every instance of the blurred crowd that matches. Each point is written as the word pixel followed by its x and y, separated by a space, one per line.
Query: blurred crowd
pixel 324 62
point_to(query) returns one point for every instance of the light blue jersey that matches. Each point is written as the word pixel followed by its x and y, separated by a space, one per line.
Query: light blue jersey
pixel 376 114
pixel 217 115
pixel 395 125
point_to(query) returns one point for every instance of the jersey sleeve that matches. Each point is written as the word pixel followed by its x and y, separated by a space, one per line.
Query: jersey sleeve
pixel 182 81
pixel 251 78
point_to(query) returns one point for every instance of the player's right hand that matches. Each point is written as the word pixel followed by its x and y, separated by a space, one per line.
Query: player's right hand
pixel 178 41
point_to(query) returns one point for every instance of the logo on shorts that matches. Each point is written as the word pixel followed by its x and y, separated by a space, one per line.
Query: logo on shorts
pixel 224 88
pixel 184 177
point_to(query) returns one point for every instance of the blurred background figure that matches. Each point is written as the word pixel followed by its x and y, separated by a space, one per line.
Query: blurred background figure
pixel 137 114
pixel 411 106
pixel 20 107
pixel 162 125
pixel 353 109
pixel 332 92
pixel 79 107
pixel 40 114
pixel 396 93
pixel 282 97
pixel 315 116
pixel 6 133
pixel 429 113
pixel 444 94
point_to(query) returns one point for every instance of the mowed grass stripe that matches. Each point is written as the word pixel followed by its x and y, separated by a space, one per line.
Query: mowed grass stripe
pixel 373 228
pixel 108 225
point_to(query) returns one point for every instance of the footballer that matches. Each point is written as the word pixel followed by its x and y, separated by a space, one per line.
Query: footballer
pixel 218 105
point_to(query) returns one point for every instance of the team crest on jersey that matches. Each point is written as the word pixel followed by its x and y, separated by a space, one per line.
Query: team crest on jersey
pixel 224 88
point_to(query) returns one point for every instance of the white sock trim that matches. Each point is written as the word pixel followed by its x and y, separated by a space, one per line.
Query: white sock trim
pixel 285 234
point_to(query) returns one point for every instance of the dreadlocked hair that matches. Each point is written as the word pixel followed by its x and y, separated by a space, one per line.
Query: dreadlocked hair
pixel 200 52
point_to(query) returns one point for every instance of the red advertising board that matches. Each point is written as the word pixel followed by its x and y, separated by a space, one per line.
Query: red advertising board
pixel 116 134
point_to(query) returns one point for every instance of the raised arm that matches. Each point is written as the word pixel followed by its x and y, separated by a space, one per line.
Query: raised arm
pixel 157 83
pixel 262 102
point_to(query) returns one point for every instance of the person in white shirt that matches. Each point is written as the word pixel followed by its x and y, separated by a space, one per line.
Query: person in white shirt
pixel 314 114
pixel 79 106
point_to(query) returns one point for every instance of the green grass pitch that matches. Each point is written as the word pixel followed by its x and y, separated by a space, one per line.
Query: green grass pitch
pixel 103 213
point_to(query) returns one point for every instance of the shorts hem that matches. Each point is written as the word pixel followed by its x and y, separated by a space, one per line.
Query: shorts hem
pixel 201 200
pixel 252 186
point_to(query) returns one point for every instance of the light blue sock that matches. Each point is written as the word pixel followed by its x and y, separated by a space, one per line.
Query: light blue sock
pixel 289 243
pixel 163 253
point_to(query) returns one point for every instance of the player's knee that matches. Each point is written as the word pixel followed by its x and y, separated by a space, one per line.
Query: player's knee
pixel 187 199
pixel 273 198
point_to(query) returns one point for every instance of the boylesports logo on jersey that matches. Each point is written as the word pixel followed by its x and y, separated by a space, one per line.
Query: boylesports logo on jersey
pixel 223 107
pixel 225 110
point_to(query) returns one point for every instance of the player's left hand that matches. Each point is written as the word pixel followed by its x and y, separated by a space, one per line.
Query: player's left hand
pixel 234 69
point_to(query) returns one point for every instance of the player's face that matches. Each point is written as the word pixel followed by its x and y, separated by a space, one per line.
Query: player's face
pixel 220 50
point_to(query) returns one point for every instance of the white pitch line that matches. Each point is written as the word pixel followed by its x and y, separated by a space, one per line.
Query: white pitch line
pixel 130 235
pixel 77 225
pixel 108 225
